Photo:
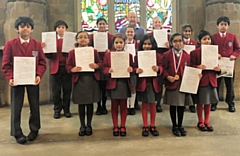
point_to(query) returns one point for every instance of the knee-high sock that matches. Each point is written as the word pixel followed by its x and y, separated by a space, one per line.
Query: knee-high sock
pixel 199 113
pixel 173 115
pixel 89 114
pixel 132 100
pixel 152 113
pixel 180 111
pixel 81 113
pixel 129 102
pixel 123 111
pixel 145 113
pixel 104 98
pixel 114 111
pixel 160 98
pixel 207 113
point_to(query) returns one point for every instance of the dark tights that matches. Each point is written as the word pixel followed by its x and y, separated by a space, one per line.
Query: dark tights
pixel 180 113
pixel 81 113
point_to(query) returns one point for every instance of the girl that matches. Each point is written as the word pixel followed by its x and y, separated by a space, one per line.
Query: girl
pixel 207 92
pixel 148 88
pixel 130 33
pixel 187 32
pixel 85 89
pixel 118 89
pixel 102 27
pixel 174 62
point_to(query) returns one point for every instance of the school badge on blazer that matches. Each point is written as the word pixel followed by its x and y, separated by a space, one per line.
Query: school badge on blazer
pixel 229 44
pixel 35 53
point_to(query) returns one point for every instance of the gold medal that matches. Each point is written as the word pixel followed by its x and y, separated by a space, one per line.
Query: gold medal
pixel 176 77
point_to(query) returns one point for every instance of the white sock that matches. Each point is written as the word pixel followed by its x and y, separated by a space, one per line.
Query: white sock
pixel 132 100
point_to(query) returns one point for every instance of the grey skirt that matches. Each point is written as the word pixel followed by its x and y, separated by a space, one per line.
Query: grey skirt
pixel 86 89
pixel 206 95
pixel 121 91
pixel 148 95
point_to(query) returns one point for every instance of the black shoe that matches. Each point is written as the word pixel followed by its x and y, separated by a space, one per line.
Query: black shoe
pixel 21 139
pixel 201 126
pixel 129 111
pixel 82 131
pixel 209 127
pixel 56 115
pixel 67 114
pixel 176 131
pixel 115 131
pixel 99 110
pixel 123 131
pixel 153 131
pixel 159 108
pixel 132 111
pixel 182 131
pixel 32 135
pixel 136 106
pixel 231 109
pixel 192 109
pixel 89 130
pixel 104 110
pixel 145 131
pixel 213 107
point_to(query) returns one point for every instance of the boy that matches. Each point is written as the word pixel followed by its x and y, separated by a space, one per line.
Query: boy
pixel 228 46
pixel 60 78
pixel 24 46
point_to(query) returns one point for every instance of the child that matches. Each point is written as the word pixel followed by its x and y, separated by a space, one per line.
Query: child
pixel 207 92
pixel 102 27
pixel 61 79
pixel 174 62
pixel 85 88
pixel 187 32
pixel 118 89
pixel 148 87
pixel 24 46
pixel 130 33
pixel 228 46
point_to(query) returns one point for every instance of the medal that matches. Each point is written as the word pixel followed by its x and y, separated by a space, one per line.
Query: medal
pixel 176 77
pixel 176 66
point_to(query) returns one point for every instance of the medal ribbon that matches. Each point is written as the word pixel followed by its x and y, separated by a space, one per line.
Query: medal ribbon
pixel 174 62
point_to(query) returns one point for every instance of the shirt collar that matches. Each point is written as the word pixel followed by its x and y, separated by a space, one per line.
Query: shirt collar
pixel 176 51
pixel 59 37
pixel 222 34
pixel 186 40
pixel 22 40
pixel 131 42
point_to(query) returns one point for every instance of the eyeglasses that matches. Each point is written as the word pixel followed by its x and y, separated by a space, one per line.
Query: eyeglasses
pixel 82 37
pixel 177 41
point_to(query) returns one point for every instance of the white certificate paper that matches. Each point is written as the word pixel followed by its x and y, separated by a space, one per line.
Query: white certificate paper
pixel 68 41
pixel 119 64
pixel 190 80
pixel 189 48
pixel 83 57
pixel 49 38
pixel 24 70
pixel 147 59
pixel 100 40
pixel 160 36
pixel 226 66
pixel 209 56
pixel 131 49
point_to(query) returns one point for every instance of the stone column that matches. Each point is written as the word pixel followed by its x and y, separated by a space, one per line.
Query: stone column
pixel 3 5
pixel 191 12
pixel 36 9
pixel 231 9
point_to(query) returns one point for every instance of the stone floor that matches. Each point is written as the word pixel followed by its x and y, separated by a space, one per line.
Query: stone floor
pixel 60 136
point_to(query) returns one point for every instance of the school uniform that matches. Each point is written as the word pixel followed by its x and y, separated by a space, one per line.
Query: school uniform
pixel 33 48
pixel 227 45
pixel 60 79
pixel 189 42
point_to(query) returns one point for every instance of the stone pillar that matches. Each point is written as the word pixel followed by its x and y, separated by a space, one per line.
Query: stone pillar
pixel 231 9
pixel 193 13
pixel 61 10
pixel 36 9
pixel 3 5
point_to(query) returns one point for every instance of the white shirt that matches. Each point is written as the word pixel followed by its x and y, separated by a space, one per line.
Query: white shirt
pixel 22 40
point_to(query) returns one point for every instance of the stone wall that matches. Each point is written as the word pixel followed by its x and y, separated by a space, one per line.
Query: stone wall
pixel 3 5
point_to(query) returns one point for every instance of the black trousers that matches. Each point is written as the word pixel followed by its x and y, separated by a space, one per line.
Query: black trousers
pixel 229 82
pixel 61 89
pixel 17 97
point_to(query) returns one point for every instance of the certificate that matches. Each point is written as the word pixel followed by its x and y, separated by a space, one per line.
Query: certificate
pixel 83 57
pixel 120 64
pixel 100 40
pixel 160 36
pixel 68 41
pixel 190 80
pixel 209 56
pixel 131 49
pixel 49 38
pixel 189 48
pixel 24 70
pixel 227 67
pixel 147 59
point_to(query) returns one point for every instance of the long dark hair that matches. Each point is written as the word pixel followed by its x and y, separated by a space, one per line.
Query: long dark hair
pixel 152 40
pixel 203 33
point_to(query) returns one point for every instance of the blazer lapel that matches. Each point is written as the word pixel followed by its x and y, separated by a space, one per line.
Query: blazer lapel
pixel 22 49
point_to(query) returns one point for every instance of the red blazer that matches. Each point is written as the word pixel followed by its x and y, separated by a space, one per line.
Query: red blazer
pixel 55 58
pixel 71 64
pixel 208 76
pixel 226 46
pixel 15 48
pixel 192 42
pixel 168 67
pixel 111 82
pixel 142 81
